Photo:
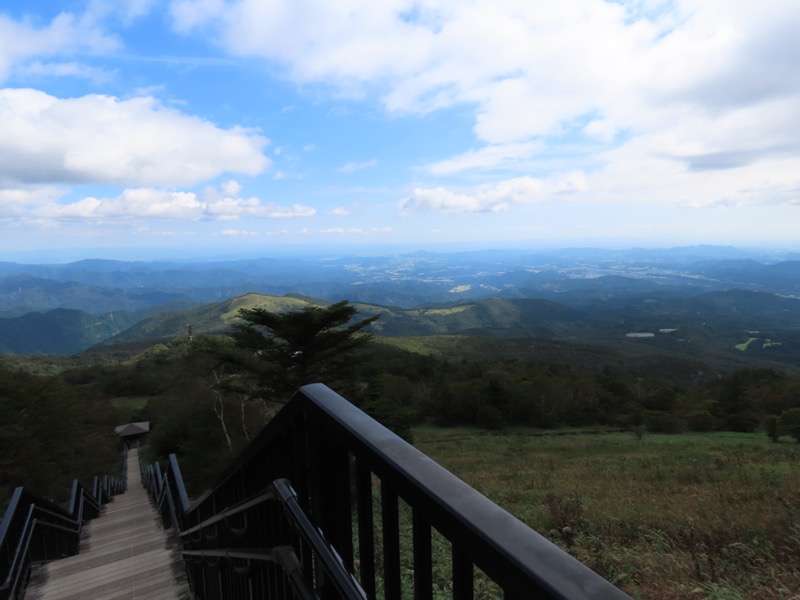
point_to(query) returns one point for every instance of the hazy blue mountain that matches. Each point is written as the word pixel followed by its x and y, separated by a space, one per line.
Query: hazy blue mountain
pixel 20 294
pixel 709 299
pixel 577 277
pixel 60 331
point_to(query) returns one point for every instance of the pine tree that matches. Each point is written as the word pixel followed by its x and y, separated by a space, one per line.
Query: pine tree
pixel 287 350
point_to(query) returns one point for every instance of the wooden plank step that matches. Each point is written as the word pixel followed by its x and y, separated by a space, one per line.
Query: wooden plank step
pixel 126 555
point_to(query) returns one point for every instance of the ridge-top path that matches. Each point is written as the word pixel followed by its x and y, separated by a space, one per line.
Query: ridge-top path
pixel 127 555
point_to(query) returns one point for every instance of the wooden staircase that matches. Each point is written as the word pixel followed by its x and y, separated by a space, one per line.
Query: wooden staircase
pixel 126 554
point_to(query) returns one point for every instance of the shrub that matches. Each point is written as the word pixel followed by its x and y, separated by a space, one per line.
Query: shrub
pixel 742 422
pixel 700 420
pixel 665 423
pixel 490 417
pixel 770 427
pixel 789 423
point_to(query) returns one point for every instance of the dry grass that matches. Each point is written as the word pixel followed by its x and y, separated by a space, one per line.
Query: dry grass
pixel 686 516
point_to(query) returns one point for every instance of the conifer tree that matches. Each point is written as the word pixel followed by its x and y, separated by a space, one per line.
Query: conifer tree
pixel 287 350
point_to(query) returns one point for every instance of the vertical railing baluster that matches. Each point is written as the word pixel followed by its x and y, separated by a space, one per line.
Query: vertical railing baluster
pixel 311 443
pixel 330 497
pixel 366 527
pixel 462 576
pixel 423 557
pixel 390 521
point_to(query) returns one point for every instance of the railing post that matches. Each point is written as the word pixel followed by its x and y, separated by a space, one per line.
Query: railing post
pixel 366 528
pixel 390 517
pixel 423 556
pixel 179 490
pixel 73 498
pixel 329 487
pixel 462 576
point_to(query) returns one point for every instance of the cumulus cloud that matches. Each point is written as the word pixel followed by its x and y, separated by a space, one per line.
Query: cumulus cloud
pixel 16 203
pixel 108 140
pixel 527 67
pixel 231 188
pixel 134 205
pixel 65 34
pixel 711 85
pixel 494 198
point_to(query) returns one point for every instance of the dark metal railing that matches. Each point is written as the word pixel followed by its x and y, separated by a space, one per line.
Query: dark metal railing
pixel 37 530
pixel 327 503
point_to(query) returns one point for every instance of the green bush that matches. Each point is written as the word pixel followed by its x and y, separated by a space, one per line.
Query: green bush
pixel 665 423
pixel 770 427
pixel 742 422
pixel 790 423
pixel 490 417
pixel 700 420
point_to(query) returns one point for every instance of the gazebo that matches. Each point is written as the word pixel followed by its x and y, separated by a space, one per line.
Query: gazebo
pixel 133 431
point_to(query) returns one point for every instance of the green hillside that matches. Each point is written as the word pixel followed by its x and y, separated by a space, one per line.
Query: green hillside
pixel 207 319
pixel 686 338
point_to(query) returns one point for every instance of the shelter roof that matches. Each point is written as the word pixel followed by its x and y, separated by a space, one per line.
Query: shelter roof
pixel 130 429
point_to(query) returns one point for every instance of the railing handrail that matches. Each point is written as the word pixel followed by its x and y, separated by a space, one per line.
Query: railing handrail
pixel 332 564
pixel 333 433
pixel 492 536
pixel 30 516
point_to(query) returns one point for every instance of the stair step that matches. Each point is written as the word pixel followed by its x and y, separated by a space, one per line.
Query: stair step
pixel 126 555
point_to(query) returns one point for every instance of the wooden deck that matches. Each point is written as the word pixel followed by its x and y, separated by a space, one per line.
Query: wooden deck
pixel 125 555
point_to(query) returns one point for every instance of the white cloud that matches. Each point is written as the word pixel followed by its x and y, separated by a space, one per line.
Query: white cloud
pixel 231 188
pixel 47 205
pixel 443 200
pixel 498 197
pixel 64 69
pixel 339 212
pixel 357 166
pixel 65 34
pixel 350 40
pixel 189 14
pixel 707 84
pixel 16 203
pixel 486 157
pixel 239 233
pixel 126 10
pixel 104 139
pixel 141 203
pixel 356 230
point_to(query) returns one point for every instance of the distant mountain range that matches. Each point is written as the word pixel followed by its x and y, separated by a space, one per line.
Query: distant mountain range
pixel 713 304
pixel 59 331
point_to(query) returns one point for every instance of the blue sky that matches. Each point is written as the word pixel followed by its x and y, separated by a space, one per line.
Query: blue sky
pixel 253 125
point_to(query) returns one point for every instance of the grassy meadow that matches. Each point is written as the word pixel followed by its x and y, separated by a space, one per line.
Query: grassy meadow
pixel 712 515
